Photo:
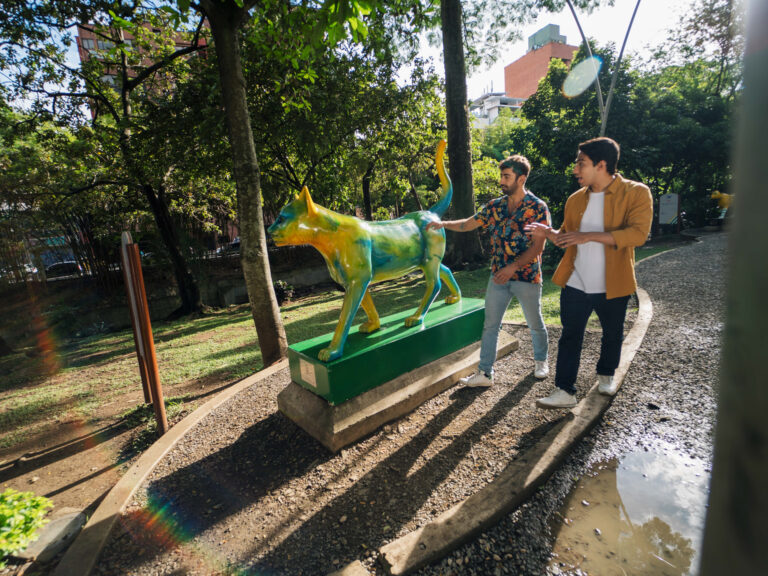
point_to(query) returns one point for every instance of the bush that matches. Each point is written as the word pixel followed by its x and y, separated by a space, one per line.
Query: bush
pixel 283 291
pixel 21 514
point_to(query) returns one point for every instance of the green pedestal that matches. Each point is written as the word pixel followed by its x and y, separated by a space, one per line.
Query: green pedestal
pixel 373 359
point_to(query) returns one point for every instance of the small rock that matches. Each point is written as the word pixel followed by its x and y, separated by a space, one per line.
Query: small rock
pixel 584 503
pixel 597 531
pixel 342 519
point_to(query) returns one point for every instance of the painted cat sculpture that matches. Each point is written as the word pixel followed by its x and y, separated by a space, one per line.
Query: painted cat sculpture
pixel 360 253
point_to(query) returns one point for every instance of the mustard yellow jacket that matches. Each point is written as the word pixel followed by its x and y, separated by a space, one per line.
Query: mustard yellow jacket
pixel 628 214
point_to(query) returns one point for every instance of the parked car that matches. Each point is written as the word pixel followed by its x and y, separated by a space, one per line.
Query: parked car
pixel 66 269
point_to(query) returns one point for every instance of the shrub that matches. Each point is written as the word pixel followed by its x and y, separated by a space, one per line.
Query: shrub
pixel 21 514
pixel 283 291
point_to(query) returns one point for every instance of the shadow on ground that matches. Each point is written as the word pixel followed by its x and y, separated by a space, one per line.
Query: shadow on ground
pixel 306 539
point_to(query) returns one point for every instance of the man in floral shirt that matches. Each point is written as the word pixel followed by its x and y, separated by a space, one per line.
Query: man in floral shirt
pixel 515 264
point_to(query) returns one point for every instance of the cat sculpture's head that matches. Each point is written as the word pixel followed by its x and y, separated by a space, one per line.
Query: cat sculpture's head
pixel 294 225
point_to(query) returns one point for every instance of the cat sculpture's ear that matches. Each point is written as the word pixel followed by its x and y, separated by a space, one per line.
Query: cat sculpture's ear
pixel 311 208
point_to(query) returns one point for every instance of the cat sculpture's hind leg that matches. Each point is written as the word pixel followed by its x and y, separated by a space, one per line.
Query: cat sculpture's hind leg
pixel 373 323
pixel 432 279
pixel 447 276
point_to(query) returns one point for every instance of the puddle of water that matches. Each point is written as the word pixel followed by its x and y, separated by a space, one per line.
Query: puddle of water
pixel 640 515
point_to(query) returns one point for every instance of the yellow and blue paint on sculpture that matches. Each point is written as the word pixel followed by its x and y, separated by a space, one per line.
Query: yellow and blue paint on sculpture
pixel 360 253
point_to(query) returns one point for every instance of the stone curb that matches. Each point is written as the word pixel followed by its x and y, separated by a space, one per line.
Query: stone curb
pixel 518 480
pixel 81 558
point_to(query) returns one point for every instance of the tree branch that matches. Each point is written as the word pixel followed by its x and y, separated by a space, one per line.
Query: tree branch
pixel 144 74
pixel 74 72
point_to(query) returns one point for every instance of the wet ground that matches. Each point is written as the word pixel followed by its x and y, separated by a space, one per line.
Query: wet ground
pixel 642 513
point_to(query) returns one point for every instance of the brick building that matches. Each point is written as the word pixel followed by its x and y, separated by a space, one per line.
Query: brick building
pixel 521 77
pixel 95 43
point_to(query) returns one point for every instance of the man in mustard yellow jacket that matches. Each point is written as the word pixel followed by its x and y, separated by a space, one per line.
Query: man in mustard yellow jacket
pixel 603 223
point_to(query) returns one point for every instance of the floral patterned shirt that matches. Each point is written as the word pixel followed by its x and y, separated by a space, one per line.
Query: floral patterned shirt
pixel 508 239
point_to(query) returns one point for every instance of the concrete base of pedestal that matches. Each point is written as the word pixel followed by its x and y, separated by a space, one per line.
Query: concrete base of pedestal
pixel 337 426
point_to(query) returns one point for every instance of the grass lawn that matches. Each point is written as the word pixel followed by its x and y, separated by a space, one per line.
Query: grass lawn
pixel 88 378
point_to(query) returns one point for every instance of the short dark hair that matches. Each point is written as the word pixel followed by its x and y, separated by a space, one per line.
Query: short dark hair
pixel 602 148
pixel 519 164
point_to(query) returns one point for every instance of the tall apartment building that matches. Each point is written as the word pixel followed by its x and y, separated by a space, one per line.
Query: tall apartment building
pixel 521 77
pixel 486 109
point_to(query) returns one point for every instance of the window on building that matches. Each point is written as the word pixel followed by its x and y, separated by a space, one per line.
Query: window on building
pixel 87 43
pixel 128 43
pixel 106 45
pixel 110 79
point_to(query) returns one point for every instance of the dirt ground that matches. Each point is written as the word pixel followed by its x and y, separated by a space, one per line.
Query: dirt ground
pixel 75 461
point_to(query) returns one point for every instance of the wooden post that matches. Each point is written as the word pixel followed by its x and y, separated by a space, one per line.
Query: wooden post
pixel 133 309
pixel 145 343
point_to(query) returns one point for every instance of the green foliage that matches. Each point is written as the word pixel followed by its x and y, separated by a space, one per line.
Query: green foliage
pixel 327 116
pixel 21 515
pixel 283 291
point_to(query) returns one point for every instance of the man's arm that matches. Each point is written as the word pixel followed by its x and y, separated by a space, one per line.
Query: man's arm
pixel 465 225
pixel 639 219
pixel 638 225
pixel 566 239
pixel 541 231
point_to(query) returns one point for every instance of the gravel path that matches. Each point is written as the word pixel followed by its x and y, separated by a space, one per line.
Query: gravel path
pixel 248 492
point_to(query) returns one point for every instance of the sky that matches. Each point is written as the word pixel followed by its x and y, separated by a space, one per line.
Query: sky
pixel 654 18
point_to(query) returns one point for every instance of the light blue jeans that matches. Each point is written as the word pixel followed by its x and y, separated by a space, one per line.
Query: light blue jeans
pixel 497 298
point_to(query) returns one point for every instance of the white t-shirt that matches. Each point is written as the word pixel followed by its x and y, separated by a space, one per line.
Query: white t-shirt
pixel 589 266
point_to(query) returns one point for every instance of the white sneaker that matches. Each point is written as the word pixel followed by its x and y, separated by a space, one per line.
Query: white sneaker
pixel 541 369
pixel 480 379
pixel 558 399
pixel 607 385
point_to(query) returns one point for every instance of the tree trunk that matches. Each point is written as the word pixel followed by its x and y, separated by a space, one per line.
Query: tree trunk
pixel 226 19
pixel 189 291
pixel 367 193
pixel 465 246
pixel 736 530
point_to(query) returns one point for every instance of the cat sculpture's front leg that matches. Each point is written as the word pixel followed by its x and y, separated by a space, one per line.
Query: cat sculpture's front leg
pixel 352 298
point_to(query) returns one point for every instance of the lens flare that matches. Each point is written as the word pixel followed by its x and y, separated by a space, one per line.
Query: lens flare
pixel 156 529
pixel 46 342
pixel 581 76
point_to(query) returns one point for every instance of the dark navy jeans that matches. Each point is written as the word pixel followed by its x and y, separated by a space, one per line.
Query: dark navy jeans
pixel 575 308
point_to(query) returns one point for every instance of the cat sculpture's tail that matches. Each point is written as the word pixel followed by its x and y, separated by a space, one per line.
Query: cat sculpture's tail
pixel 445 182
